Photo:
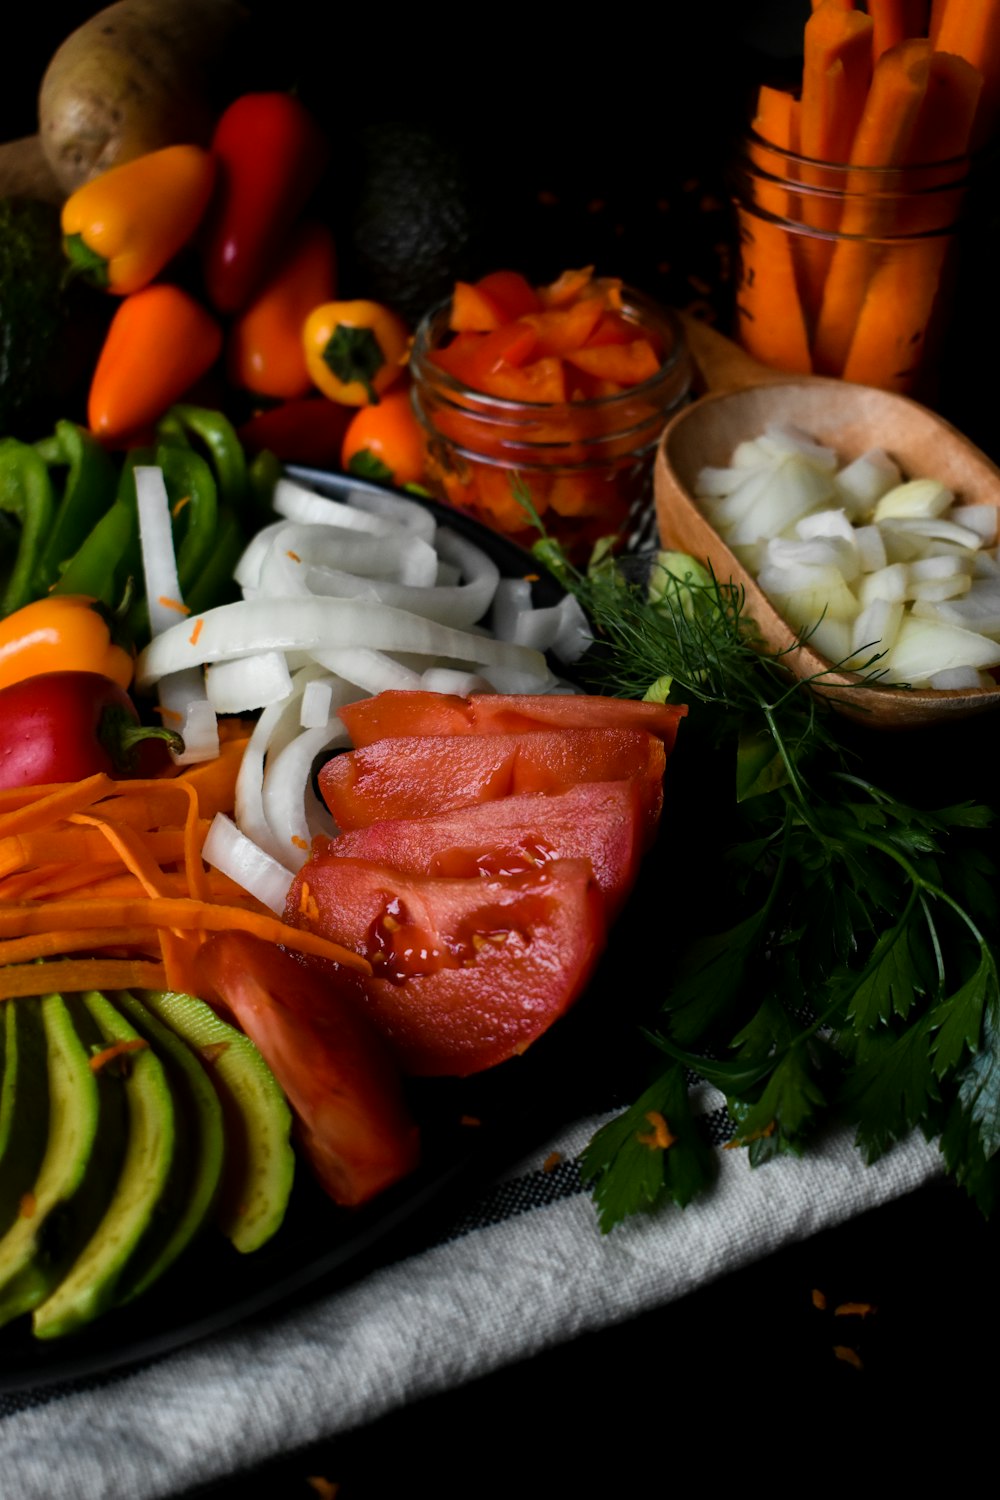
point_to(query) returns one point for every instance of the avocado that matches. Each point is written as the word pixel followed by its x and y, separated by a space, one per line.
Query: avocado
pixel 259 1161
pixel 83 1150
pixel 24 1103
pixel 90 1285
pixel 412 222
pixel 198 1157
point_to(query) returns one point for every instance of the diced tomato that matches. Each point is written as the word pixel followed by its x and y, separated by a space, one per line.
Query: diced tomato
pixel 543 381
pixel 473 310
pixel 416 776
pixel 563 329
pixel 340 1080
pixel 467 972
pixel 625 364
pixel 390 715
pixel 511 292
pixel 599 821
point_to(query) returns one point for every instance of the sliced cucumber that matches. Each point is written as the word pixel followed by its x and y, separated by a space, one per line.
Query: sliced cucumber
pixel 198 1157
pixel 259 1161
pixel 24 1103
pixel 84 1146
pixel 90 1284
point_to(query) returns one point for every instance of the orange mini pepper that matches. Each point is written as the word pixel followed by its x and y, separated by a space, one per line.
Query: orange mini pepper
pixel 386 442
pixel 265 352
pixel 123 227
pixel 159 343
pixel 64 633
pixel 354 350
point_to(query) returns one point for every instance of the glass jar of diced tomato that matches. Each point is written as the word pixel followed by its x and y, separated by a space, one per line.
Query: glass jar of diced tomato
pixel 553 395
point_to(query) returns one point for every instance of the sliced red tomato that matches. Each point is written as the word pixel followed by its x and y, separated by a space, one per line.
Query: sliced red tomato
pixel 336 1071
pixel 392 714
pixel 421 775
pixel 467 972
pixel 598 821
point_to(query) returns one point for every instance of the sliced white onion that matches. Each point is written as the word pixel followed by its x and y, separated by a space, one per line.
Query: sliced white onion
pixel 317 704
pixel 297 503
pixel 294 815
pixel 251 682
pixel 229 850
pixel 413 518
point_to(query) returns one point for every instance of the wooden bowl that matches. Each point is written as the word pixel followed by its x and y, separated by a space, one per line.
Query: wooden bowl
pixel 849 419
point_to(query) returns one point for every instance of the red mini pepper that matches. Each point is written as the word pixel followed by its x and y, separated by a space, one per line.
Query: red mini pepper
pixel 63 726
pixel 270 154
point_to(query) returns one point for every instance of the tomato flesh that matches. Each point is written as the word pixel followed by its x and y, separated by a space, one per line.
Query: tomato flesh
pixel 336 1072
pixel 420 775
pixel 391 715
pixel 597 821
pixel 467 972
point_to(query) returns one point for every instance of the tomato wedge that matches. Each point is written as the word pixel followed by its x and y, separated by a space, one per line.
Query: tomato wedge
pixel 391 715
pixel 337 1074
pixel 598 821
pixel 467 972
pixel 420 775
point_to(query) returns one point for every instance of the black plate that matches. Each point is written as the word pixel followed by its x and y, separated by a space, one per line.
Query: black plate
pixel 214 1287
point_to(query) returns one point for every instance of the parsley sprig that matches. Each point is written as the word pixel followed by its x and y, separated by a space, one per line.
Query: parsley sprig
pixel 855 978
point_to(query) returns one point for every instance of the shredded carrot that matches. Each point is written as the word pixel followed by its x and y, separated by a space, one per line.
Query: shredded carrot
pixel 53 803
pixel 199 625
pixel 819 1299
pixel 117 1049
pixel 660 1136
pixel 299 843
pixel 72 974
pixel 854 1310
pixel 181 503
pixel 28 1206
pixel 177 604
pixel 552 1161
pixel 293 555
pixel 848 1356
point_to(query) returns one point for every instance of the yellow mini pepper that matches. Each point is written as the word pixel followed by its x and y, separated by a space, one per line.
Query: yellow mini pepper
pixel 63 633
pixel 122 228
pixel 354 350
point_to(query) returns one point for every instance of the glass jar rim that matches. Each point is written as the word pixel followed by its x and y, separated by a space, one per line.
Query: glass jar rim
pixel 944 175
pixel 677 355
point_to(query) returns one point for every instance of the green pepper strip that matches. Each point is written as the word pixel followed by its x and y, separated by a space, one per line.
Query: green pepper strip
pixel 263 474
pixel 26 493
pixel 109 555
pixel 223 446
pixel 215 582
pixel 90 484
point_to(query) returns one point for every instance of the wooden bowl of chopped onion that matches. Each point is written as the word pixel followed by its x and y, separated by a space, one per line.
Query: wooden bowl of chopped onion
pixel 861 527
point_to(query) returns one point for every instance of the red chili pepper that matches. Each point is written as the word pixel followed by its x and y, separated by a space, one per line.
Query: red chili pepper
pixel 64 726
pixel 270 155
pixel 310 431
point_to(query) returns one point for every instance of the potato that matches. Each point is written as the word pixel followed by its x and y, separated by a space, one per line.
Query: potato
pixel 132 79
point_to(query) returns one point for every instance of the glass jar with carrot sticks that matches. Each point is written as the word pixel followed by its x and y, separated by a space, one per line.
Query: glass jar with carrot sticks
pixel 849 194
pixel 559 391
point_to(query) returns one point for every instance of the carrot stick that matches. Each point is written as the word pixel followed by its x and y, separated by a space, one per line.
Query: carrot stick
pixel 971 29
pixel 74 974
pixel 83 846
pixel 769 313
pixel 895 21
pixel 948 113
pixel 836 73
pixel 883 139
pixel 131 851
pixel 832 106
pixel 50 944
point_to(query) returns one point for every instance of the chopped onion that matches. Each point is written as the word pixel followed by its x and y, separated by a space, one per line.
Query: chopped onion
pixel 242 860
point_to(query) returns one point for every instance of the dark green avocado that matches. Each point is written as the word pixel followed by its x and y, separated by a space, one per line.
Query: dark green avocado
pixel 412 223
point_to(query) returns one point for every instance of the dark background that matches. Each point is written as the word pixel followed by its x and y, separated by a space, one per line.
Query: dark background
pixel 568 141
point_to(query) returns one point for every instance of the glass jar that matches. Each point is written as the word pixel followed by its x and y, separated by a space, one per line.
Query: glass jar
pixel 586 466
pixel 845 270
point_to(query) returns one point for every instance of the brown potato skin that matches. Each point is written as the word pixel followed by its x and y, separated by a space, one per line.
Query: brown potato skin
pixel 132 79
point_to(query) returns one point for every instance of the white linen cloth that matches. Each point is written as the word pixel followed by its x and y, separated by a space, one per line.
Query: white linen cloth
pixel 465 1307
